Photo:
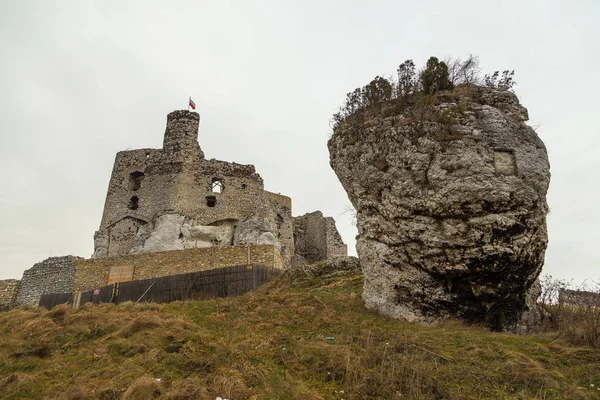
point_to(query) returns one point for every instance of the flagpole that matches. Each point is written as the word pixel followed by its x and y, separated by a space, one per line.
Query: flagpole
pixel 189 103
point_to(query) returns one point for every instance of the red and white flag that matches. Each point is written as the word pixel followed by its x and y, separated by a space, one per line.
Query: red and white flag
pixel 192 104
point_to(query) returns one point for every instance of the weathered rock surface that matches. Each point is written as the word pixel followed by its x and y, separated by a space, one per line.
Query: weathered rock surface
pixel 533 313
pixel 177 232
pixel 451 206
pixel 256 230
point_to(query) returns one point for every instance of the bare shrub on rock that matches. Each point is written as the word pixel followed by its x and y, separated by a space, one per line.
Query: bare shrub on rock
pixel 412 84
pixel 501 82
pixel 464 71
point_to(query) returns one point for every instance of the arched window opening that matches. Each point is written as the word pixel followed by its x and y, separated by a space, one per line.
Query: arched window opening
pixel 279 221
pixel 133 203
pixel 217 185
pixel 135 180
pixel 211 201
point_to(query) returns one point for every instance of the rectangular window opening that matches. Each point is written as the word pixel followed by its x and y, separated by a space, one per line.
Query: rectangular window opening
pixel 211 201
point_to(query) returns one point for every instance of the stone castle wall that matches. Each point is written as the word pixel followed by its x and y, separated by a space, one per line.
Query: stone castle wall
pixel 335 246
pixel 177 180
pixel 8 293
pixel 53 275
pixel 93 274
pixel 192 214
pixel 283 222
pixel 316 238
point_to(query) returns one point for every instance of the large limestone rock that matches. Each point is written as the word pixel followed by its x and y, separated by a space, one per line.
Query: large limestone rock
pixel 177 232
pixel 100 244
pixel 256 230
pixel 451 206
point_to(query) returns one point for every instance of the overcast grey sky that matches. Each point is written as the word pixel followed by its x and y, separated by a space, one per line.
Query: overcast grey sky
pixel 81 80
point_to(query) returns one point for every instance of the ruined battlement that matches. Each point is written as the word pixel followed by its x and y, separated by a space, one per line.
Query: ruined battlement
pixel 316 238
pixel 173 198
pixel 281 200
pixel 170 211
pixel 248 171
pixel 180 116
pixel 181 133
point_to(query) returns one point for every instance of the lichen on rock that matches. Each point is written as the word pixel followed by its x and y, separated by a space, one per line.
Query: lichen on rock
pixel 450 194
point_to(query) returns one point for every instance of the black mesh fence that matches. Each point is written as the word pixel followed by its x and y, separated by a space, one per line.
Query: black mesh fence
pixel 222 282
pixel 53 299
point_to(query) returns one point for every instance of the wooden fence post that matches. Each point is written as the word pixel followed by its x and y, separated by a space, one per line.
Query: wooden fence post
pixel 76 300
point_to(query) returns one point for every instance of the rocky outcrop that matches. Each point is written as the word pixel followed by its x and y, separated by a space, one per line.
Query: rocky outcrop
pixel 256 230
pixel 177 232
pixel 534 314
pixel 450 194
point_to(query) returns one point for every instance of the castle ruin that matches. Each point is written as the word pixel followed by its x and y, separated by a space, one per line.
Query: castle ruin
pixel 173 198
pixel 170 199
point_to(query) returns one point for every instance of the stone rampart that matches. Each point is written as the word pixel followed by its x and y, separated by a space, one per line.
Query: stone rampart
pixel 335 246
pixel 316 238
pixel 92 274
pixel 53 275
pixel 177 180
pixel 8 293
pixel 283 223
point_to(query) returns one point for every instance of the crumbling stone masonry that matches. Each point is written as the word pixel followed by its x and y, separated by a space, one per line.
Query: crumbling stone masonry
pixel 316 238
pixel 170 211
pixel 173 198
pixel 93 274
pixel 53 275
pixel 8 293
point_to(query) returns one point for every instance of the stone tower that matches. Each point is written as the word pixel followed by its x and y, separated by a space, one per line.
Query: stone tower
pixel 173 198
pixel 181 134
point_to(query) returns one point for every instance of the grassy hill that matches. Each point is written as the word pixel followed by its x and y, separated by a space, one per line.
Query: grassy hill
pixel 308 338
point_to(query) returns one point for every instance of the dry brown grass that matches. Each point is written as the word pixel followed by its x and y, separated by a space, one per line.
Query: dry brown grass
pixel 576 317
pixel 272 344
pixel 143 389
pixel 16 380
